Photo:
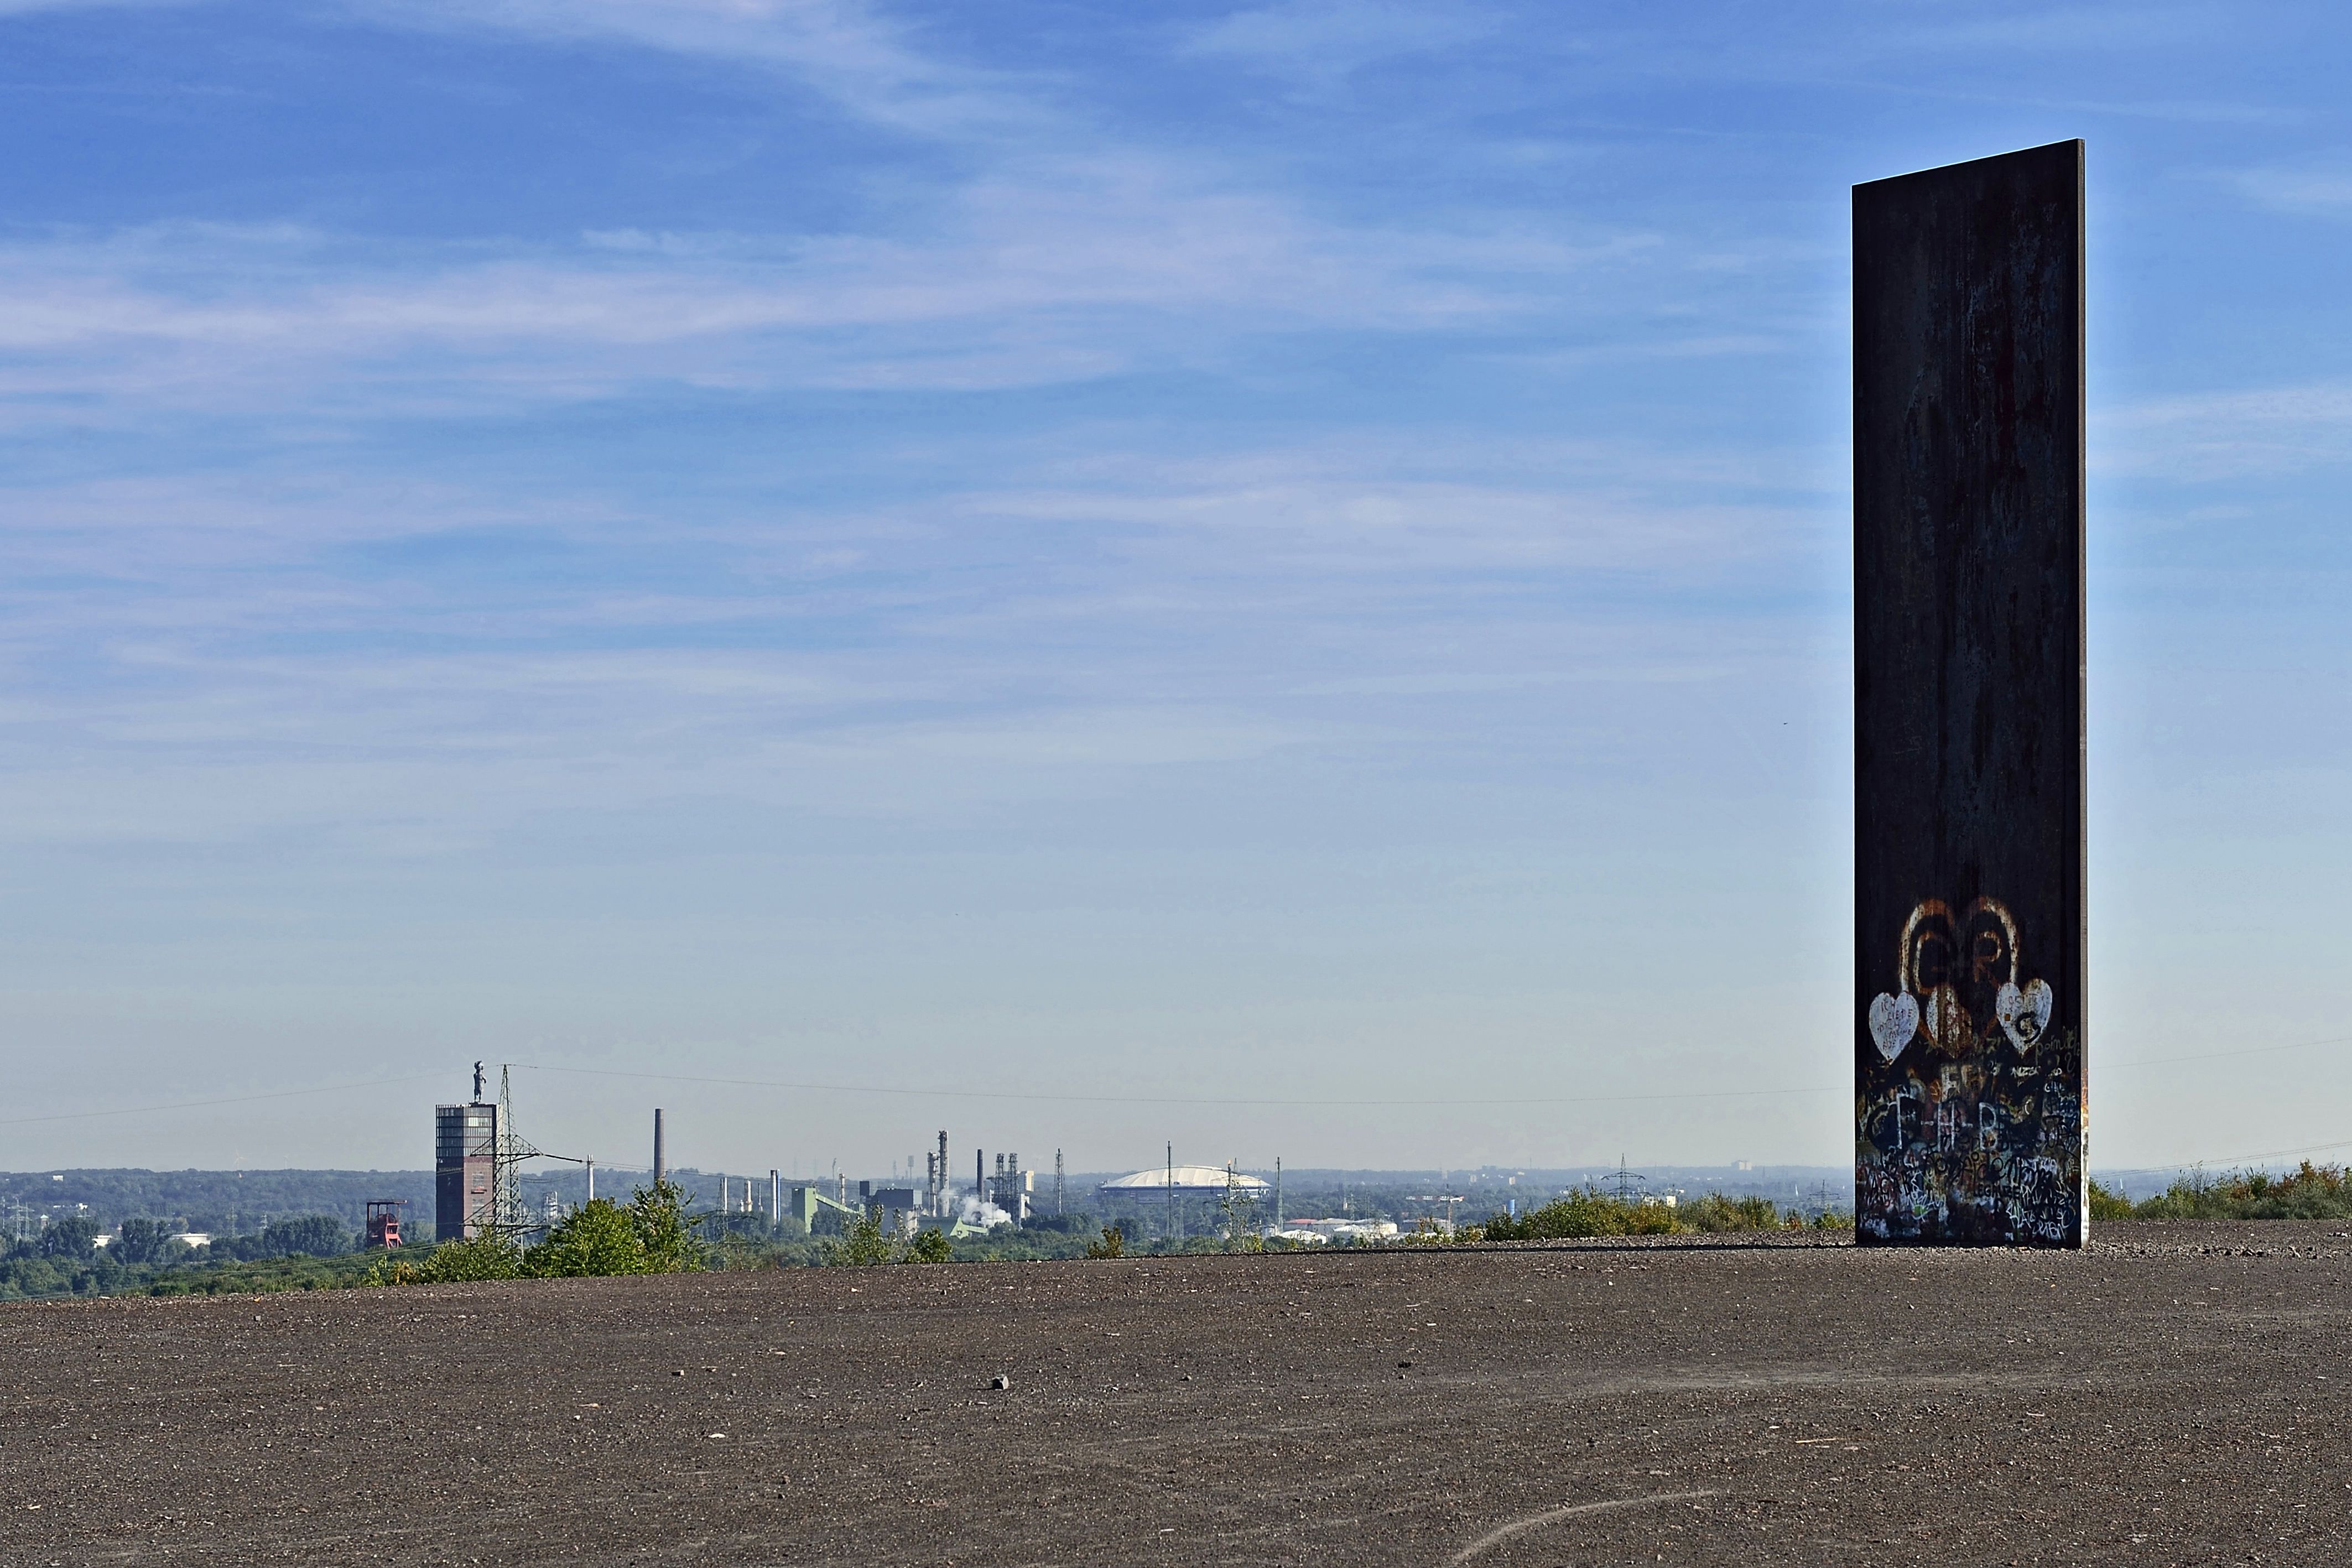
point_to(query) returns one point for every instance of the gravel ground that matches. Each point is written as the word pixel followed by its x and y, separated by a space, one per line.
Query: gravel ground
pixel 2177 1394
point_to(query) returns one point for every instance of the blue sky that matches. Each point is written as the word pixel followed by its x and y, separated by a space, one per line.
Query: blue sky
pixel 1184 555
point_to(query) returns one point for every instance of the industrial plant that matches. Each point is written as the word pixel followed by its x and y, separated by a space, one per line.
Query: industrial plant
pixel 481 1186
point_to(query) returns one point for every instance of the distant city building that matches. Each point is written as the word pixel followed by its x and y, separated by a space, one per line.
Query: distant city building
pixel 1186 1180
pixel 1311 1232
pixel 804 1201
pixel 895 1206
pixel 464 1170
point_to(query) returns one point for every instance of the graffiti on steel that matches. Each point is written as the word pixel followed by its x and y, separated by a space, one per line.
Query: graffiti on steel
pixel 1971 1113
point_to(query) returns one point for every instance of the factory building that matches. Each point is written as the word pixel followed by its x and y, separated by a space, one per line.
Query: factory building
pixel 895 1203
pixel 1010 1188
pixel 938 1200
pixel 804 1201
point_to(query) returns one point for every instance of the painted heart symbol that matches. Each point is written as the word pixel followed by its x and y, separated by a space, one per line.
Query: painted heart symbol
pixel 1893 1021
pixel 2025 1014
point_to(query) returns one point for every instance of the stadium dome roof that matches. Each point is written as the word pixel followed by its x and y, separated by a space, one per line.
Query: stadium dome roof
pixel 1187 1178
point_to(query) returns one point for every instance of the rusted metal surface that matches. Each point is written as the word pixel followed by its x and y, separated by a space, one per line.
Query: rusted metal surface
pixel 1969 864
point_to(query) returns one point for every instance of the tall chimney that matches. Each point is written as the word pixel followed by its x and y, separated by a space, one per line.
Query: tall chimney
pixel 661 1162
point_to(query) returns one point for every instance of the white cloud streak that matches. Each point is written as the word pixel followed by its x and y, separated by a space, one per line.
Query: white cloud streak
pixel 1322 41
pixel 2252 433
pixel 1053 271
pixel 2311 191
pixel 853 56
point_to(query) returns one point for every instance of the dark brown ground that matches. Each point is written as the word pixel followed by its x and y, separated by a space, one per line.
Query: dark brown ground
pixel 2178 1393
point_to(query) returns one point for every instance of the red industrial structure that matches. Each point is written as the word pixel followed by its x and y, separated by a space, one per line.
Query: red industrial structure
pixel 384 1217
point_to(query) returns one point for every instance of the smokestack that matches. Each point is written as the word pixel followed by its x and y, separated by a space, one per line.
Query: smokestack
pixel 661 1161
pixel 980 1175
pixel 775 1197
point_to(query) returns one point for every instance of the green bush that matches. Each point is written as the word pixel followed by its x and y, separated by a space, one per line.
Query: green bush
pixel 1717 1213
pixel 2308 1192
pixel 657 1214
pixel 487 1257
pixel 599 1237
pixel 864 1245
pixel 649 1235
pixel 2105 1205
pixel 1587 1212
pixel 867 1243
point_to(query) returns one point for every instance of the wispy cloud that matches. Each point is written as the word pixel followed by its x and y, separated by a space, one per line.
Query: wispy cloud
pixel 1049 271
pixel 2270 430
pixel 1322 40
pixel 2322 192
pixel 271 669
pixel 27 7
pixel 2012 27
pixel 1048 251
pixel 861 57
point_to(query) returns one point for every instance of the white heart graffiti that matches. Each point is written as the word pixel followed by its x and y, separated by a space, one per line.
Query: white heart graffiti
pixel 2025 1014
pixel 1893 1021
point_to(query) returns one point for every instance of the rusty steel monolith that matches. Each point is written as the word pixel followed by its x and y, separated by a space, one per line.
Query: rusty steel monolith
pixel 1967 587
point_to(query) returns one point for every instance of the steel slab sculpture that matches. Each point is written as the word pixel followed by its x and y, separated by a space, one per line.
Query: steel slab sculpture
pixel 1968 579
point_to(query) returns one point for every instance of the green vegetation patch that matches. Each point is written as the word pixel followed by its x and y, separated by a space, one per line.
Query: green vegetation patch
pixel 2307 1192
pixel 648 1235
pixel 1590 1212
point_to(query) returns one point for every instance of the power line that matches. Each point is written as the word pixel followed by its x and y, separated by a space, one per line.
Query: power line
pixel 2216 1055
pixel 2241 1159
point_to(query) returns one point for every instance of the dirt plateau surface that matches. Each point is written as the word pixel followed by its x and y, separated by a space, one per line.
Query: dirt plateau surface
pixel 2175 1394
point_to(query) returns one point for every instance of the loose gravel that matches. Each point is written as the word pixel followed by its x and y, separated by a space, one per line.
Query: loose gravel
pixel 2175 1393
